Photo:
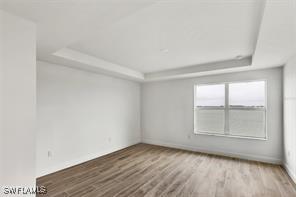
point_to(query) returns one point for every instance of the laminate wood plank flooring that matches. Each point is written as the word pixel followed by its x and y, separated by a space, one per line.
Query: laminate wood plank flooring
pixel 148 170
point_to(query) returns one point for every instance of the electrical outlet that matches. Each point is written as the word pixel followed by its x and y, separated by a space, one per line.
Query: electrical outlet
pixel 109 139
pixel 49 153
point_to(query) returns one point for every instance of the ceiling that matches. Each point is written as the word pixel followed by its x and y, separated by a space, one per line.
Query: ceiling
pixel 138 39
pixel 172 34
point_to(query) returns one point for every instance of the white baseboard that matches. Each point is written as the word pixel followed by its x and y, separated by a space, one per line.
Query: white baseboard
pixel 172 145
pixel 290 172
pixel 215 152
pixel 82 159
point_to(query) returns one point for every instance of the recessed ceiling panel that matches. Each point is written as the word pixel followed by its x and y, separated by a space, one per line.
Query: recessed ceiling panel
pixel 177 33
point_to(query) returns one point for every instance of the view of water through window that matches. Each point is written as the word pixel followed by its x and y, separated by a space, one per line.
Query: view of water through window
pixel 236 109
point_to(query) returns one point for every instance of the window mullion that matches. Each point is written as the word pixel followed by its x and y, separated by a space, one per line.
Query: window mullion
pixel 226 121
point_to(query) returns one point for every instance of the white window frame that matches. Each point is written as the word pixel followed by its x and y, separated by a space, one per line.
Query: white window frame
pixel 227 108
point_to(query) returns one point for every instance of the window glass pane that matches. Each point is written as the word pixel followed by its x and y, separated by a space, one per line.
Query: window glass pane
pixel 210 95
pixel 247 94
pixel 249 123
pixel 209 120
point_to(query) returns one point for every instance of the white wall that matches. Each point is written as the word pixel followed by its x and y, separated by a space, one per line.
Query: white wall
pixel 17 96
pixel 167 117
pixel 82 115
pixel 290 117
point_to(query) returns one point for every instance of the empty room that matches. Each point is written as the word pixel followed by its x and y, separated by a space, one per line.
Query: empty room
pixel 134 98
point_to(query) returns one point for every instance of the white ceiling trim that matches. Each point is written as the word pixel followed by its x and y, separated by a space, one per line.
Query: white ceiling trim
pixel 99 64
pixel 212 66
pixel 211 72
pixel 86 62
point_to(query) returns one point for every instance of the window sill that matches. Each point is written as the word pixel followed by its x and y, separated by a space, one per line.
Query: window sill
pixel 229 136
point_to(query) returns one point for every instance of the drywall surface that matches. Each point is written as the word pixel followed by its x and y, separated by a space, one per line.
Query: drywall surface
pixel 167 117
pixel 82 115
pixel 290 117
pixel 18 101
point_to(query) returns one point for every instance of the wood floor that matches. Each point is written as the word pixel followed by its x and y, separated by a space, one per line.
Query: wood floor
pixel 146 170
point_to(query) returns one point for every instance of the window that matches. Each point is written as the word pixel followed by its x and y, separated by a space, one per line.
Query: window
pixel 231 109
